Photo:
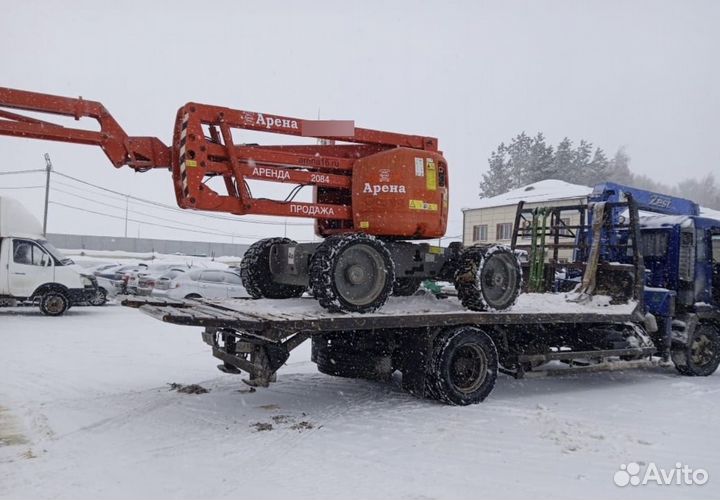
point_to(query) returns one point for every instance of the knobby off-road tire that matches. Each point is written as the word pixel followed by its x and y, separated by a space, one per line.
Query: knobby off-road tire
pixel 403 287
pixel 488 278
pixel 463 366
pixel 256 276
pixel 54 303
pixel 352 273
pixel 701 356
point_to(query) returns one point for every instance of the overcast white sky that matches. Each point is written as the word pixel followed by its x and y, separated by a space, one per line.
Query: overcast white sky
pixel 643 75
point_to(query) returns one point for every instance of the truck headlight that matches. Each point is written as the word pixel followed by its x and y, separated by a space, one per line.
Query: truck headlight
pixel 87 282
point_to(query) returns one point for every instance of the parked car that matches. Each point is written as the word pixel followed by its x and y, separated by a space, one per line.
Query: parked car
pixel 106 289
pixel 147 281
pixel 202 283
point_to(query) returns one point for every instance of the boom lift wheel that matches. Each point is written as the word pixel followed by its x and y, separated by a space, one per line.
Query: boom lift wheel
pixel 700 357
pixel 352 272
pixel 488 278
pixel 256 276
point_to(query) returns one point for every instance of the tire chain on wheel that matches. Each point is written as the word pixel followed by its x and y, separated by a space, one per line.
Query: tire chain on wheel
pixel 322 273
pixel 256 276
pixel 467 282
pixel 518 270
pixel 467 277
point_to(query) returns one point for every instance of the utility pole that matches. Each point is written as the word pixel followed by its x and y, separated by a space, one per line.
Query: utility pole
pixel 127 203
pixel 48 169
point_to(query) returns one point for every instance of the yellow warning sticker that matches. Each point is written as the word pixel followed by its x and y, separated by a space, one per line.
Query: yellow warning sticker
pixel 430 175
pixel 436 250
pixel 191 163
pixel 421 205
pixel 364 224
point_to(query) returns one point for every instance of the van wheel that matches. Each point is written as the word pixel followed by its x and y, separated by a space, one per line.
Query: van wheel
pixel 100 298
pixel 54 304
pixel 701 356
pixel 193 296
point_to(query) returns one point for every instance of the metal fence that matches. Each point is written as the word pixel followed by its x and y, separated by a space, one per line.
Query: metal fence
pixel 142 245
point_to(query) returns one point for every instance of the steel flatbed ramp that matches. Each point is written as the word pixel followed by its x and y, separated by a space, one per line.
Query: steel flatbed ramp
pixel 278 318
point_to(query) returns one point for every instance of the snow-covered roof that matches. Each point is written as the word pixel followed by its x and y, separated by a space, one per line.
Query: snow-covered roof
pixel 547 190
pixel 556 190
pixel 651 220
pixel 710 213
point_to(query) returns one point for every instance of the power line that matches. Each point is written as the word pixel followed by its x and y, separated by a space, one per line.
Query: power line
pixel 11 172
pixel 148 223
pixel 21 187
pixel 123 200
pixel 144 214
pixel 175 209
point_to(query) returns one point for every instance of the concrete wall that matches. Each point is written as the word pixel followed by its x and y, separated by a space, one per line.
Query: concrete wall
pixel 79 241
pixel 492 216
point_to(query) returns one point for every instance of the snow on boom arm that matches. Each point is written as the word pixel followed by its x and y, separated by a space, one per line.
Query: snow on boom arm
pixel 347 178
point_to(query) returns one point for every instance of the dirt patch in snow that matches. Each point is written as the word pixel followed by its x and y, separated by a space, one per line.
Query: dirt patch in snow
pixel 188 389
pixel 10 433
pixel 262 426
pixel 302 426
pixel 269 407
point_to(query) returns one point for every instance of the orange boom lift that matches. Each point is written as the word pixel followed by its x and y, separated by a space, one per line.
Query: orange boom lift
pixel 372 190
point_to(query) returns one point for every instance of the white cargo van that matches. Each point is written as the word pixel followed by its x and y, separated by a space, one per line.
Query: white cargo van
pixel 32 270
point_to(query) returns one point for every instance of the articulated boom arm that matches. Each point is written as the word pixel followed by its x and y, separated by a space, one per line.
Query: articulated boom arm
pixel 139 153
pixel 203 147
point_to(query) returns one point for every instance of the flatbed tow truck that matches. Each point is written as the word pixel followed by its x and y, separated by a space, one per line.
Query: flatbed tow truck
pixel 376 196
pixel 444 351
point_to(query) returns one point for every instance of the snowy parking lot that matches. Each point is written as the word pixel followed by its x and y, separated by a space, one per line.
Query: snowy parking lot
pixel 86 411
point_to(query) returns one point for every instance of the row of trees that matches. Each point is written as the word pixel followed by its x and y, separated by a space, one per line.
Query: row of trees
pixel 527 159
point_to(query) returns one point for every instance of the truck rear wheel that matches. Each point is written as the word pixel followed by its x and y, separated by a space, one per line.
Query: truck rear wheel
pixel 488 278
pixel 256 276
pixel 54 303
pixel 701 356
pixel 463 366
pixel 353 273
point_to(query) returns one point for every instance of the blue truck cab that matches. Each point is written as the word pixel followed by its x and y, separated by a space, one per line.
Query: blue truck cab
pixel 681 256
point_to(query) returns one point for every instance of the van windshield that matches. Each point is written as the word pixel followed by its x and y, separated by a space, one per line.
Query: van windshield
pixel 57 255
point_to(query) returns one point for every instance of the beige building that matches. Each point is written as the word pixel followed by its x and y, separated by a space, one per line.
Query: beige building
pixel 492 220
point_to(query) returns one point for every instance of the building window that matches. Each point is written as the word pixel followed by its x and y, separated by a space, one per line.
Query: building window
pixel 480 232
pixel 503 231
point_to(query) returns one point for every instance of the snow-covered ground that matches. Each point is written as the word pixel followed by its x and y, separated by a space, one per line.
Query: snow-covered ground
pixel 85 412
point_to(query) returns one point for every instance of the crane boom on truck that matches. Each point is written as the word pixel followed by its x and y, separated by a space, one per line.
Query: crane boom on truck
pixel 372 191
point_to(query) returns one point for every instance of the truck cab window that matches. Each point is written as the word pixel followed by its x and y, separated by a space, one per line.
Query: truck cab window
pixel 29 254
